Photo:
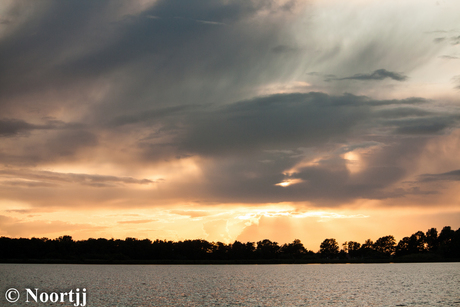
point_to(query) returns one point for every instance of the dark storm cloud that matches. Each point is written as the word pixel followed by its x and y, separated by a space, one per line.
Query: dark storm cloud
pixel 5 21
pixel 67 47
pixel 283 49
pixel 31 144
pixel 286 121
pixel 175 80
pixel 405 111
pixel 206 10
pixel 31 59
pixel 9 127
pixel 12 126
pixel 149 115
pixel 50 145
pixel 327 182
pixel 448 176
pixel 272 122
pixel 253 143
pixel 378 74
pixel 68 143
pixel 425 125
pixel 47 178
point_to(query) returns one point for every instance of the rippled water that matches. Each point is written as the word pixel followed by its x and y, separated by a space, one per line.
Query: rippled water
pixel 414 284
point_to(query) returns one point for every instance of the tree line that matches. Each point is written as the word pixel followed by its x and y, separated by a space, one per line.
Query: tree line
pixel 420 246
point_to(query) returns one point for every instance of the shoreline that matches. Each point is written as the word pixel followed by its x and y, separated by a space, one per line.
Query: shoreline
pixel 221 262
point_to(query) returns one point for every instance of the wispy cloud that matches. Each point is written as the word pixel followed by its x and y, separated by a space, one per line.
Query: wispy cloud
pixel 448 176
pixel 449 57
pixel 13 126
pixel 30 178
pixel 379 74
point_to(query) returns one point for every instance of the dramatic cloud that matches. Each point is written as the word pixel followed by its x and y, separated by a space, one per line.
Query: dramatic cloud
pixel 199 112
pixel 291 120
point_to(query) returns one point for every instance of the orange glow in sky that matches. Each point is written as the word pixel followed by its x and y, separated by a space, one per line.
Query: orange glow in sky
pixel 223 121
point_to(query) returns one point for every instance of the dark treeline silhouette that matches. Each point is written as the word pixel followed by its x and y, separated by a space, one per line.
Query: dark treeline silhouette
pixel 420 246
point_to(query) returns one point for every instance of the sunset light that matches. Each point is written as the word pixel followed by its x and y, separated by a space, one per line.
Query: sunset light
pixel 288 182
pixel 225 121
pixel 213 152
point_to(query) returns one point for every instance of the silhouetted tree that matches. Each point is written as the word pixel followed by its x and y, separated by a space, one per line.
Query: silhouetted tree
pixel 220 251
pixel 403 247
pixel 240 250
pixel 417 242
pixel 65 247
pixel 431 238
pixel 368 244
pixel 194 249
pixel 329 248
pixel 353 249
pixel 267 249
pixel 367 249
pixel 163 249
pixel 345 246
pixel 455 245
pixel 446 242
pixel 293 250
pixel 446 235
pixel 385 245
pixel 446 246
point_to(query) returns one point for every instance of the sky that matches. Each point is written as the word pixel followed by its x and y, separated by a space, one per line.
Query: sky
pixel 229 120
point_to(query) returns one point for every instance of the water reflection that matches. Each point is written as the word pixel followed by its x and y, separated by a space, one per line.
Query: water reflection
pixel 430 284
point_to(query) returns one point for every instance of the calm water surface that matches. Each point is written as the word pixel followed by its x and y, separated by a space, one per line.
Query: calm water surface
pixel 414 284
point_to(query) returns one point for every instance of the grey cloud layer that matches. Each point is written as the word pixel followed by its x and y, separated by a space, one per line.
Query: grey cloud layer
pixel 302 120
pixel 267 135
pixel 184 79
pixel 67 48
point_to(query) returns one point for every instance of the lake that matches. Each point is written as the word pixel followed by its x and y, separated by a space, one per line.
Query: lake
pixel 399 284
